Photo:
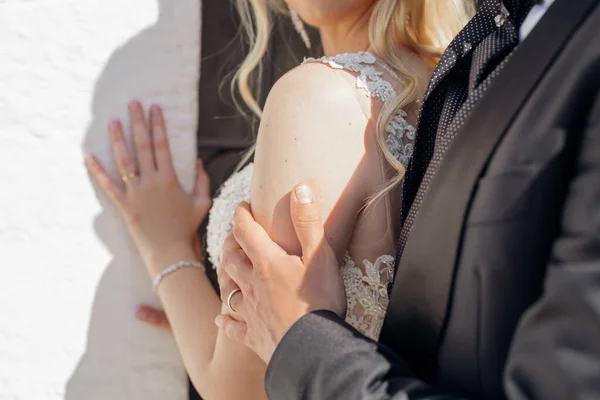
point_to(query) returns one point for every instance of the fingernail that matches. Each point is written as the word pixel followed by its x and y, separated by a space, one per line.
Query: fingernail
pixel 114 124
pixel 155 108
pixel 303 194
pixel 90 159
pixel 140 312
pixel 135 105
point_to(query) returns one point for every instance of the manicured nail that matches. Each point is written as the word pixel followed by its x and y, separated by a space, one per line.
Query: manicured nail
pixel 114 124
pixel 91 161
pixel 303 194
pixel 140 312
pixel 155 108
pixel 135 105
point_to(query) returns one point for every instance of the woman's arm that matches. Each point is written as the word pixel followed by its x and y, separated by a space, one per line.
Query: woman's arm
pixel 315 129
pixel 218 367
pixel 162 220
pixel 312 110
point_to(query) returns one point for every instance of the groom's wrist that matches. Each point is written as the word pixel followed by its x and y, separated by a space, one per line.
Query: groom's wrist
pixel 298 325
pixel 301 346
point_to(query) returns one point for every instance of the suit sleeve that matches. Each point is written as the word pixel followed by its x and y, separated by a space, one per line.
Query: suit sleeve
pixel 556 350
pixel 322 357
pixel 555 353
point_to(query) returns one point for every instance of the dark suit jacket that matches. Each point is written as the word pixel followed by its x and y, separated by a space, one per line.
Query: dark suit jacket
pixel 498 289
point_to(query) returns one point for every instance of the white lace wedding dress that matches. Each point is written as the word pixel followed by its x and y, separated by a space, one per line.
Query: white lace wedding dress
pixel 365 282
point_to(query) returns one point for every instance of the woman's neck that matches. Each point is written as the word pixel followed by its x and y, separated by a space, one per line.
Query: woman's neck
pixel 349 36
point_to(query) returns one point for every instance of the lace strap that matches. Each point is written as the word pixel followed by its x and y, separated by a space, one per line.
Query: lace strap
pixel 369 78
pixel 401 134
pixel 366 293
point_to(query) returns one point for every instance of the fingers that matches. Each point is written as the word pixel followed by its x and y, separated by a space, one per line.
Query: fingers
pixel 152 316
pixel 141 138
pixel 235 271
pixel 162 152
pixel 307 221
pixel 111 188
pixel 201 193
pixel 233 329
pixel 121 153
pixel 251 237
pixel 230 244
pixel 226 284
pixel 234 303
pixel 233 257
pixel 230 294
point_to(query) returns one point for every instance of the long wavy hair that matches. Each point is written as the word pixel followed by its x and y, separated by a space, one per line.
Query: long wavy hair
pixel 424 26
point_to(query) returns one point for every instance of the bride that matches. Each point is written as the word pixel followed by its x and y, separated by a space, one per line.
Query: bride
pixel 343 123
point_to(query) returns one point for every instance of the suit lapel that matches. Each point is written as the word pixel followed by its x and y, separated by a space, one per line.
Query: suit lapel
pixel 448 90
pixel 421 293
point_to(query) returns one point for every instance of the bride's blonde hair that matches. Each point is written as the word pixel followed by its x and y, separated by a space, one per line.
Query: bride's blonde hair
pixel 425 26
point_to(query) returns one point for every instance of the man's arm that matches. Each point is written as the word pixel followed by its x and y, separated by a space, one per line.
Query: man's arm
pixel 322 357
pixel 294 304
pixel 556 349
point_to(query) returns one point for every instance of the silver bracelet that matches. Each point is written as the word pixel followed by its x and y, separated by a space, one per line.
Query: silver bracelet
pixel 174 267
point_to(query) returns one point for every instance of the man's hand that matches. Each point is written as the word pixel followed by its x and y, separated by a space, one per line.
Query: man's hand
pixel 277 289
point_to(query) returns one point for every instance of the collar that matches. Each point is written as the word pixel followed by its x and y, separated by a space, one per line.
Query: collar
pixel 519 9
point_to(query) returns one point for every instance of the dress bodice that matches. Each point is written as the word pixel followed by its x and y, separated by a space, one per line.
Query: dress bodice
pixel 366 281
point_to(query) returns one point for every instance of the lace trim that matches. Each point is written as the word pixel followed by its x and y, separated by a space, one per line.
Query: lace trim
pixel 368 79
pixel 401 134
pixel 220 217
pixel 366 285
pixel 367 294
pixel 401 138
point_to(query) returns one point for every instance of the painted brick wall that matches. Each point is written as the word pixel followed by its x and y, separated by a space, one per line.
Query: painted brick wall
pixel 70 278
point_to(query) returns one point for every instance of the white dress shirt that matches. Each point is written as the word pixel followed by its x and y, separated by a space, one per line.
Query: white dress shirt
pixel 536 13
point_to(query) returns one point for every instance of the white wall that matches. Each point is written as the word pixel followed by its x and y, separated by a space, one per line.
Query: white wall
pixel 70 278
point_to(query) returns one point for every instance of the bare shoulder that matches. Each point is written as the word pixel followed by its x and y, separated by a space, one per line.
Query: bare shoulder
pixel 312 108
pixel 318 91
pixel 313 130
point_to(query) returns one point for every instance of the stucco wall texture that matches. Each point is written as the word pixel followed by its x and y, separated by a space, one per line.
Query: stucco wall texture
pixel 70 277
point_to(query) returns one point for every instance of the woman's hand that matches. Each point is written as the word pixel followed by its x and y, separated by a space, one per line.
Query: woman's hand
pixel 160 216
pixel 154 317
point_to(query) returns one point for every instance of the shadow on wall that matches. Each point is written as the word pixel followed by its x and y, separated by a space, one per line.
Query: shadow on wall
pixel 125 359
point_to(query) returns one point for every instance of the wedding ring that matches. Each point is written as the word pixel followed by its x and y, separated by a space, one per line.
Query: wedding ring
pixel 233 292
pixel 126 178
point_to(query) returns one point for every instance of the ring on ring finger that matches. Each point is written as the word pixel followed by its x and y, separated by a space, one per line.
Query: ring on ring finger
pixel 127 177
pixel 233 292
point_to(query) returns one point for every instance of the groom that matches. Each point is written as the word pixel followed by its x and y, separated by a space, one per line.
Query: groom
pixel 497 288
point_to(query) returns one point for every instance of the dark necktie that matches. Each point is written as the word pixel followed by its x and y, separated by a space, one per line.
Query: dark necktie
pixel 471 62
